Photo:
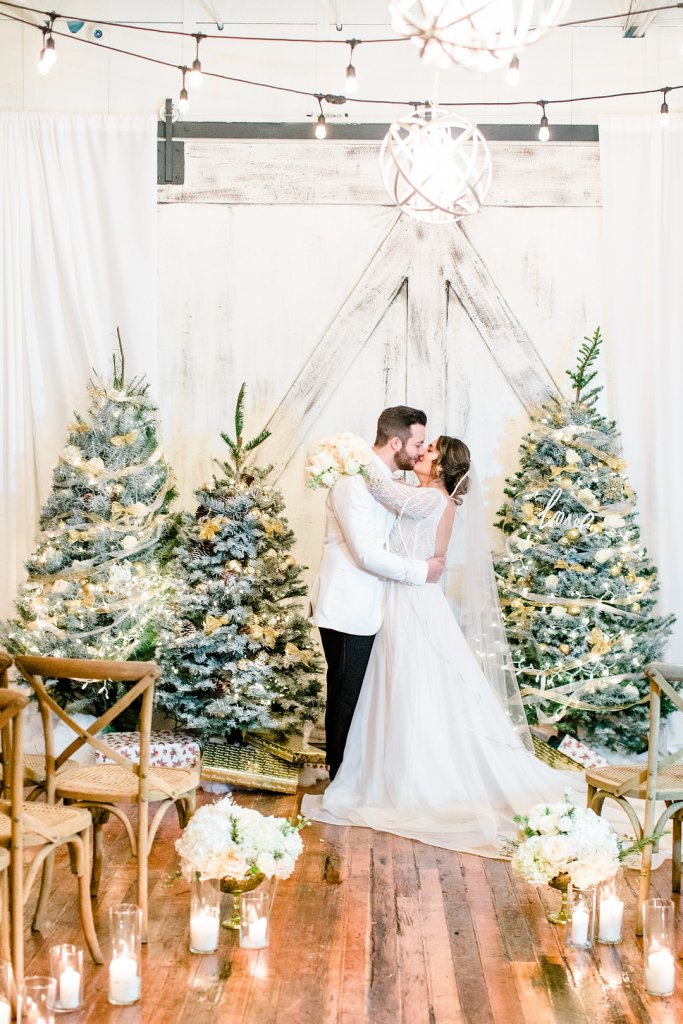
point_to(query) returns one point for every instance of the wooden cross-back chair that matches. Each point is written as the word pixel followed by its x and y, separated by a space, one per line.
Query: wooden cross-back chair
pixel 104 788
pixel 661 779
pixel 39 827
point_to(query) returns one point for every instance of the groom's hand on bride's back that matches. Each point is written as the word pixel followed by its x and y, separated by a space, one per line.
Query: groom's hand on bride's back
pixel 435 567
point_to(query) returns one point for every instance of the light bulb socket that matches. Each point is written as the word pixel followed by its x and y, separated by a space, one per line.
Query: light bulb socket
pixel 350 73
pixel 197 65
pixel 664 109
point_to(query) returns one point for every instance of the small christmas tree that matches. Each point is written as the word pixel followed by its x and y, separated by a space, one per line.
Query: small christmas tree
pixel 242 657
pixel 576 585
pixel 94 586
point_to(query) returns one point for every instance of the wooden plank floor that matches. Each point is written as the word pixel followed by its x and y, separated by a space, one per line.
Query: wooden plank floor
pixel 370 928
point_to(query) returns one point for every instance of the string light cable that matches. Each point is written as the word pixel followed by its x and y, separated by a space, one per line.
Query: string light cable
pixel 50 32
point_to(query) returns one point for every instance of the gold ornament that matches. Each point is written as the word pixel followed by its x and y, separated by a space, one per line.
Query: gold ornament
pixel 596 528
pixel 289 561
pixel 598 642
pixel 210 527
pixel 119 440
pixel 273 527
pixel 635 606
pixel 615 570
pixel 78 427
pixel 212 623
pixel 574 609
pixel 233 566
pixel 561 564
pixel 565 648
pixel 573 534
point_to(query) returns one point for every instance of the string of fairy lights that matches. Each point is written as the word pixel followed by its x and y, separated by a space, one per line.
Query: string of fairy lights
pixel 435 164
pixel 194 74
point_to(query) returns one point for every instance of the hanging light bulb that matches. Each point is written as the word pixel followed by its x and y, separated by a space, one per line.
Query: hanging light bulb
pixel 183 100
pixel 351 83
pixel 44 64
pixel 664 110
pixel 321 128
pixel 512 76
pixel 196 72
pixel 544 129
pixel 50 52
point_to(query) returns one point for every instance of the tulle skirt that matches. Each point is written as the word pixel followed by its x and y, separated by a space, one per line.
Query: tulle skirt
pixel 431 753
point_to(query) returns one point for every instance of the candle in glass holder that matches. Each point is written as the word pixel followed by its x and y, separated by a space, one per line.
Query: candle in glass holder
pixel 658 946
pixel 254 920
pixel 204 931
pixel 69 983
pixel 124 983
pixel 66 967
pixel 611 915
pixel 580 919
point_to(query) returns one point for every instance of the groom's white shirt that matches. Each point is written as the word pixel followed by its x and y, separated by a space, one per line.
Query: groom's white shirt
pixel 348 594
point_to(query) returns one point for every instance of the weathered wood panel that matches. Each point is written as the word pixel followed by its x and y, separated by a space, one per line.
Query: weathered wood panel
pixel 524 174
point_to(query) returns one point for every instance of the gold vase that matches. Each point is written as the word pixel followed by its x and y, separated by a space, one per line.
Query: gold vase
pixel 235 887
pixel 561 883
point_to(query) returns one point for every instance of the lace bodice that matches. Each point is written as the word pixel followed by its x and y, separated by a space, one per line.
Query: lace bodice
pixel 418 511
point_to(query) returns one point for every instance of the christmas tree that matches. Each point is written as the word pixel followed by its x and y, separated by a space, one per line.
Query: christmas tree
pixel 94 587
pixel 576 585
pixel 242 656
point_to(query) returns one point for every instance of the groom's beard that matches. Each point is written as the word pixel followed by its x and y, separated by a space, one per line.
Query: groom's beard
pixel 403 460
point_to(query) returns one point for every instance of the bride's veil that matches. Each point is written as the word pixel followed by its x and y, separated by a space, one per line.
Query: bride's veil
pixel 471 588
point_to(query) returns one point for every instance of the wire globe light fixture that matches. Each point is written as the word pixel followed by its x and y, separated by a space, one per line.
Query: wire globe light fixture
pixel 483 35
pixel 435 166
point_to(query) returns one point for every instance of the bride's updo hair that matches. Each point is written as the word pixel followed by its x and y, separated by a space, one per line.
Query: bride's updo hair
pixel 452 464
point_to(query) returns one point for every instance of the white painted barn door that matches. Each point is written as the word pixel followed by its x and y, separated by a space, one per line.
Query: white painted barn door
pixel 281 264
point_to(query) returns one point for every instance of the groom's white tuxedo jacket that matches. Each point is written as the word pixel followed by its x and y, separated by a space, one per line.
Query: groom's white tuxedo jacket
pixel 348 594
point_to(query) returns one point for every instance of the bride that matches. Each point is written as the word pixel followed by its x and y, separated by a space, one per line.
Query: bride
pixel 439 749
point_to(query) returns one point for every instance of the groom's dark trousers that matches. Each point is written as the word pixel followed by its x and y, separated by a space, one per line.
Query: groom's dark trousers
pixel 347 657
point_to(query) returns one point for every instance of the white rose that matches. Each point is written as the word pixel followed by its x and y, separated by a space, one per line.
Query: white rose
pixel 522 544
pixel 558 612
pixel 329 478
pixel 96 466
pixel 557 850
pixel 351 467
pixel 613 521
pixel 631 692
pixel 626 642
pixel 603 555
pixel 59 586
pixel 572 457
pixel 129 542
pixel 551 582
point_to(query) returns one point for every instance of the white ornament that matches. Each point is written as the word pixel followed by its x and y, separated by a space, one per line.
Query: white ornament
pixel 558 612
pixel 436 168
pixel 603 555
pixel 480 34
pixel 129 542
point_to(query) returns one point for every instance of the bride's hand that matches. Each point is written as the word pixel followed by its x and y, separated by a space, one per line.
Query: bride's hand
pixel 435 567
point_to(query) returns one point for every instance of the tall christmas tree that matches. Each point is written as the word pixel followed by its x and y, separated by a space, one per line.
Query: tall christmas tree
pixel 94 587
pixel 576 584
pixel 242 657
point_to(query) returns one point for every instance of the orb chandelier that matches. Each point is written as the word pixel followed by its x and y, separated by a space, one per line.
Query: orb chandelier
pixel 435 166
pixel 480 34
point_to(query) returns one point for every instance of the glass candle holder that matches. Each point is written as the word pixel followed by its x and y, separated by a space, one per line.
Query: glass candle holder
pixel 125 975
pixel 36 1001
pixel 6 991
pixel 659 947
pixel 205 915
pixel 580 928
pixel 254 909
pixel 610 911
pixel 66 967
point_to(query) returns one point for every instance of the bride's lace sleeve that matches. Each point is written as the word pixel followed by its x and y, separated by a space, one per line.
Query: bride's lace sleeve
pixel 404 500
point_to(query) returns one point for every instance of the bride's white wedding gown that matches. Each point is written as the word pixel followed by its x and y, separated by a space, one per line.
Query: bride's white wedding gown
pixel 431 753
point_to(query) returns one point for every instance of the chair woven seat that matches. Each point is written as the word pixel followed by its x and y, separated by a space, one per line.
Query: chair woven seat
pixel 611 777
pixel 35 771
pixel 4 860
pixel 46 822
pixel 112 783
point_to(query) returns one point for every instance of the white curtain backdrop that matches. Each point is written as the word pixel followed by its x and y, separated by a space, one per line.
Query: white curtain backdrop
pixel 642 170
pixel 78 258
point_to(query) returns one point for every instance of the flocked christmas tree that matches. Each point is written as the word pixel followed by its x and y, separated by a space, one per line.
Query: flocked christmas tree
pixel 94 586
pixel 242 657
pixel 576 584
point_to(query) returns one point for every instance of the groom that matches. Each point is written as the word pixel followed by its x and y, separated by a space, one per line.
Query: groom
pixel 348 596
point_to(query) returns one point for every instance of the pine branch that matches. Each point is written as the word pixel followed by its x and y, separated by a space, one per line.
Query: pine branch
pixel 239 414
pixel 256 441
pixel 583 375
pixel 119 376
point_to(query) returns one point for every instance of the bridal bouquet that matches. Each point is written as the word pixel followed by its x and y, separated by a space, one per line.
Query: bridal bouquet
pixel 562 838
pixel 226 840
pixel 336 456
